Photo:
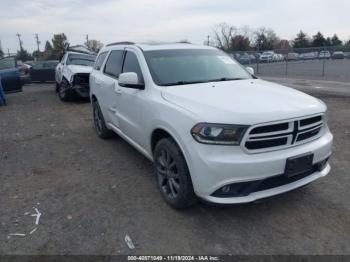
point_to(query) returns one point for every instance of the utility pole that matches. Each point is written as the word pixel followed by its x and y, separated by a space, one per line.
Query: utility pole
pixel 87 41
pixel 208 39
pixel 37 42
pixel 20 41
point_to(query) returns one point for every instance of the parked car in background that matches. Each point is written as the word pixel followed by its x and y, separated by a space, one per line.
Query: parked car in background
pixel 212 129
pixel 10 75
pixel 347 55
pixel 324 55
pixel 245 59
pixel 338 55
pixel 292 56
pixel 309 56
pixel 23 71
pixel 43 71
pixel 72 75
pixel 267 57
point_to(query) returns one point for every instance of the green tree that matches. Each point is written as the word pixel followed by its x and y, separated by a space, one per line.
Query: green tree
pixel 318 40
pixel 240 43
pixel 48 46
pixel 335 40
pixel 328 41
pixel 347 44
pixel 1 53
pixel 23 55
pixel 59 42
pixel 301 41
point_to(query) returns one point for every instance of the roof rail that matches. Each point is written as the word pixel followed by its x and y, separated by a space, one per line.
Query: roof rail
pixel 121 43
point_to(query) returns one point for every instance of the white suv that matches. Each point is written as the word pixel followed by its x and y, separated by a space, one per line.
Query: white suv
pixel 72 75
pixel 212 129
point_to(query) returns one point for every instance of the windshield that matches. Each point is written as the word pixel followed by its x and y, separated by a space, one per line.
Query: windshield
pixel 267 53
pixel 7 62
pixel 81 59
pixel 187 66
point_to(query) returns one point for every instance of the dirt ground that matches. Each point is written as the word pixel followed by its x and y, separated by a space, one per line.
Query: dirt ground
pixel 91 193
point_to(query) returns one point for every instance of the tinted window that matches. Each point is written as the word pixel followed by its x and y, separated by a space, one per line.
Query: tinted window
pixel 50 65
pixel 99 60
pixel 38 66
pixel 8 62
pixel 80 59
pixel 179 67
pixel 131 64
pixel 114 63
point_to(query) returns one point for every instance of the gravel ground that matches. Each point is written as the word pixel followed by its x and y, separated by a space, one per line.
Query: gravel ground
pixel 91 193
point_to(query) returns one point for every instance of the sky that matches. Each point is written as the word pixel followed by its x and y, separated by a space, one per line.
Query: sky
pixel 162 20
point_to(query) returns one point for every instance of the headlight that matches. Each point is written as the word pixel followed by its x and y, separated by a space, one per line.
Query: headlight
pixel 218 134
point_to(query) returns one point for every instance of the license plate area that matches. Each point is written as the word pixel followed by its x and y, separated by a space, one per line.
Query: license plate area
pixel 297 165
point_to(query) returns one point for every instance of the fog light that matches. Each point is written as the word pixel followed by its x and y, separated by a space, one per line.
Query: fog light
pixel 225 189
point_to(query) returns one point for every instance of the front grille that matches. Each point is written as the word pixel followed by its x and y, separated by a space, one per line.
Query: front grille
pixel 273 136
pixel 81 79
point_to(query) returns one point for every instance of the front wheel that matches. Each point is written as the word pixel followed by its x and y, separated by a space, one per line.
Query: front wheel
pixel 173 176
pixel 63 91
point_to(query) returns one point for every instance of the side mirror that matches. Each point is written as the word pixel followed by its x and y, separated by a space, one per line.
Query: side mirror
pixel 250 70
pixel 130 80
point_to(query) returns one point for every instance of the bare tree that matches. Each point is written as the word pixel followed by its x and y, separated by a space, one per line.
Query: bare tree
pixel 94 45
pixel 223 34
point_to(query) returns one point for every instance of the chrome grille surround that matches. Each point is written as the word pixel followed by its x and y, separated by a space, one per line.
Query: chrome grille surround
pixel 282 134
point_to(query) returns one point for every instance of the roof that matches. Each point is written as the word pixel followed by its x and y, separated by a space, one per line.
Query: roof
pixel 158 46
pixel 79 53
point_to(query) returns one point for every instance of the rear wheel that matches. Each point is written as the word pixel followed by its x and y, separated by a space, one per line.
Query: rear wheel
pixel 99 122
pixel 173 176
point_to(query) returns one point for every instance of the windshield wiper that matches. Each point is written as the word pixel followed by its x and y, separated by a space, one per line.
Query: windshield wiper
pixel 183 83
pixel 202 81
pixel 226 79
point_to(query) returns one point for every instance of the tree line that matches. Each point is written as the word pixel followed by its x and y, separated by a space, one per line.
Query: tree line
pixel 53 49
pixel 231 38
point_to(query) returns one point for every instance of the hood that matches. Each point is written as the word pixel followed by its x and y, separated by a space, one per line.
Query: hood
pixel 79 69
pixel 245 102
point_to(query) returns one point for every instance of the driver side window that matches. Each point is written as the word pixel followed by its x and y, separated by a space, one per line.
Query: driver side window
pixel 131 64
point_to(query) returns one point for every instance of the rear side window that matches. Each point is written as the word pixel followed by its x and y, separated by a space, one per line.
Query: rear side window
pixel 131 64
pixel 114 63
pixel 99 60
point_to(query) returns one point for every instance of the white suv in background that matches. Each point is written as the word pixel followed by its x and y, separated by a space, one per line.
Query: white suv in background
pixel 212 129
pixel 72 75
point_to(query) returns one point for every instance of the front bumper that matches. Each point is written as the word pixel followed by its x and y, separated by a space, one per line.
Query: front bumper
pixel 213 167
pixel 82 91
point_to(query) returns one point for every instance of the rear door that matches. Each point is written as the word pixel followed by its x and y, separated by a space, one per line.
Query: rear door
pixel 105 81
pixel 36 71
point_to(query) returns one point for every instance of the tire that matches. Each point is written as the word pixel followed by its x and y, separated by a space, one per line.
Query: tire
pixel 63 92
pixel 173 177
pixel 99 122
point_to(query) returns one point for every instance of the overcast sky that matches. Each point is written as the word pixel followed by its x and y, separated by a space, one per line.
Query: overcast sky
pixel 162 20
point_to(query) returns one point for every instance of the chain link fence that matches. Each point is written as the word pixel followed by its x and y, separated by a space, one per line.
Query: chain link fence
pixel 324 63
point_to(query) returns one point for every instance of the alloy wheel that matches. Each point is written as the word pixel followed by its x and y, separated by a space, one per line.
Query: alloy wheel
pixel 167 174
